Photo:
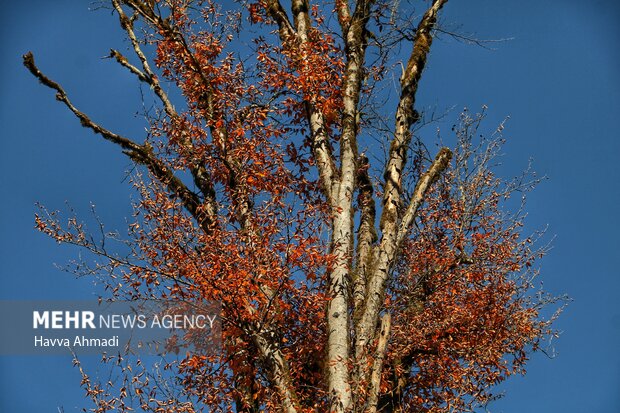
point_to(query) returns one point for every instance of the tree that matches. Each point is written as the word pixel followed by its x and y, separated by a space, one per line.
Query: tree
pixel 342 288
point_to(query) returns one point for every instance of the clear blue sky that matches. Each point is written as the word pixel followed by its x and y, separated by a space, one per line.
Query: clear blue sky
pixel 558 81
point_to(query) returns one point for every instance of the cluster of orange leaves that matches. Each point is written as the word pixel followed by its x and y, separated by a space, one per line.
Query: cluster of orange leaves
pixel 465 318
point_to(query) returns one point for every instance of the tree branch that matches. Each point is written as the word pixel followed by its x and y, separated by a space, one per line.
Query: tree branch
pixel 406 116
pixel 277 12
pixel 377 367
pixel 354 32
pixel 366 235
pixel 279 371
pixel 441 162
pixel 142 154
pixel 320 141
pixel 199 173
pixel 122 60
pixel 150 77
pixel 338 311
pixel 301 18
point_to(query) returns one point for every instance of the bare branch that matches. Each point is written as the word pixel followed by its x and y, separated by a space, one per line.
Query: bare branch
pixel 441 162
pixel 122 60
pixel 470 39
pixel 150 78
pixel 406 116
pixel 301 18
pixel 377 367
pixel 367 234
pixel 61 96
pixel 142 154
pixel 277 12
pixel 338 314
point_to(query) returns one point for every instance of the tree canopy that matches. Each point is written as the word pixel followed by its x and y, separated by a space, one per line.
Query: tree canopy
pixel 389 278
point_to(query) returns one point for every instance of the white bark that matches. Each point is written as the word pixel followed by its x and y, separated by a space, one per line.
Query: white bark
pixel 386 251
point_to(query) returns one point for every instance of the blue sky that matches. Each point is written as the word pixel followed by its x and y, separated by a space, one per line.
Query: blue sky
pixel 557 80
